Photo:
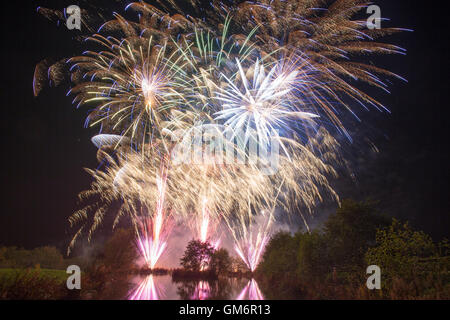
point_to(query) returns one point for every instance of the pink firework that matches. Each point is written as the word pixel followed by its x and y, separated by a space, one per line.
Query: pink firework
pixel 205 226
pixel 147 290
pixel 251 252
pixel 154 231
pixel 251 292
pixel 251 243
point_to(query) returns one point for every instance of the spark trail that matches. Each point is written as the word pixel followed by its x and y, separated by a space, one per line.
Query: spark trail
pixel 250 244
pixel 154 231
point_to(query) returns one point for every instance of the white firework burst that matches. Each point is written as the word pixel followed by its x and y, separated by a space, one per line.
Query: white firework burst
pixel 257 102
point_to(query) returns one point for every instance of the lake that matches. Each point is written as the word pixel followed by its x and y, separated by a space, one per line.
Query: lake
pixel 162 287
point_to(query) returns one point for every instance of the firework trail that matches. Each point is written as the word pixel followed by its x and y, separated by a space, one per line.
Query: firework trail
pixel 152 238
pixel 147 290
pixel 207 227
pixel 154 232
pixel 204 222
pixel 251 292
pixel 251 241
pixel 132 179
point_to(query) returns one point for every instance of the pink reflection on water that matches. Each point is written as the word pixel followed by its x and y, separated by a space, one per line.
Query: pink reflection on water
pixel 202 291
pixel 251 292
pixel 147 290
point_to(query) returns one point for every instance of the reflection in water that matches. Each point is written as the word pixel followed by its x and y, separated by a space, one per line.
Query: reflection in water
pixel 155 287
pixel 147 290
pixel 202 291
pixel 251 292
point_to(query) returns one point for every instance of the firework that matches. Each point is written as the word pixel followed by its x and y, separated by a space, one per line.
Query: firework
pixel 321 39
pixel 206 226
pixel 134 86
pixel 250 240
pixel 275 72
pixel 325 36
pixel 149 243
pixel 262 103
pixel 328 36
pixel 153 233
pixel 202 195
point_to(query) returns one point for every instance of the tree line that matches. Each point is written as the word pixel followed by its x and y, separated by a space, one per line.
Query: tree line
pixel 331 262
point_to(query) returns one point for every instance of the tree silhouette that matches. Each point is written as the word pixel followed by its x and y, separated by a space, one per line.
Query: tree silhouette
pixel 197 255
pixel 220 262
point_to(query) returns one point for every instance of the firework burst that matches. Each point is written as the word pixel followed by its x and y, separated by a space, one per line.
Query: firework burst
pixel 273 70
pixel 262 102
pixel 134 85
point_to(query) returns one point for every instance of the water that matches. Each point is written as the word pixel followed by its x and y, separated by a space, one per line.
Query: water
pixel 162 287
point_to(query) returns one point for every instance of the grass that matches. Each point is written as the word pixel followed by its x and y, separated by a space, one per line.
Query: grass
pixel 32 284
pixel 8 274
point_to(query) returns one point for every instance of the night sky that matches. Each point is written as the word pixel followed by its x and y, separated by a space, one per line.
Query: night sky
pixel 45 145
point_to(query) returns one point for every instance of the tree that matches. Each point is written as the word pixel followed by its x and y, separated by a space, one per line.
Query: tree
pixel 119 252
pixel 280 255
pixel 197 255
pixel 47 257
pixel 237 265
pixel 220 262
pixel 399 250
pixel 313 258
pixel 351 231
pixel 19 258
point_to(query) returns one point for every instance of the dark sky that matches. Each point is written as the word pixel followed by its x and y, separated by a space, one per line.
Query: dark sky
pixel 45 145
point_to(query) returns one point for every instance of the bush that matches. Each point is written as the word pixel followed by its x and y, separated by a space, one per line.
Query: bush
pixel 331 263
pixel 45 257
pixel 119 252
pixel 31 285
pixel 280 255
pixel 399 251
